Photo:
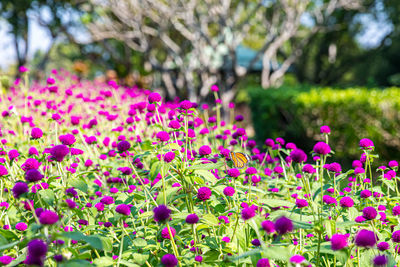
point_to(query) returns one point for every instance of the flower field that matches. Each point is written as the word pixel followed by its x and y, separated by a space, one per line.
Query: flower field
pixel 97 174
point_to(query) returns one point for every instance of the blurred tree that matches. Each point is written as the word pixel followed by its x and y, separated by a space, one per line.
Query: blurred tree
pixel 193 43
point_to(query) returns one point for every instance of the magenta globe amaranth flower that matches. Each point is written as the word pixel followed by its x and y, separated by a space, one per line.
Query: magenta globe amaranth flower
pixel 233 172
pixel 204 193
pixel 297 259
pixel 185 104
pixel 67 139
pixel 380 261
pixel 161 213
pixel 322 148
pixel 19 189
pixel 268 226
pixel 338 241
pixel 3 171
pixel 192 218
pixel 59 152
pixel 325 129
pixel 264 262
pixel 36 252
pixel 204 150
pixel 396 236
pixel 301 203
pixel 165 233
pixel 5 259
pixel 298 155
pixel 365 238
pixel 123 209
pixel 48 217
pixel 248 213
pixel 365 193
pixel 154 97
pixel 366 143
pixel 346 202
pixel 36 133
pixel 21 226
pixel 369 213
pixel 169 156
pixel 163 136
pixel 169 260
pixel 229 191
pixel 283 225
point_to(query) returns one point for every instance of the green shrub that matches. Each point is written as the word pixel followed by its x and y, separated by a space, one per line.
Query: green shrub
pixel 354 113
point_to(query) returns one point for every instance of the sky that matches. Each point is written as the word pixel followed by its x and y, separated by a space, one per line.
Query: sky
pixel 39 38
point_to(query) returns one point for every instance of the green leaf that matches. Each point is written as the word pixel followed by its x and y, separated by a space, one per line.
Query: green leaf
pixel 206 175
pixel 79 183
pixel 172 146
pixel 207 166
pixel 210 219
pixel 276 203
pixel 140 258
pixel 170 193
pixel 104 261
pixel 94 241
pixel 48 196
pixel 76 263
pixel 155 169
pixel 10 245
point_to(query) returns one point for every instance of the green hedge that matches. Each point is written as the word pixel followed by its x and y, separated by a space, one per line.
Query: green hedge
pixel 296 114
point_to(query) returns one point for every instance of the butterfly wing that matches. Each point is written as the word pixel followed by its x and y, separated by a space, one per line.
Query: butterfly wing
pixel 239 159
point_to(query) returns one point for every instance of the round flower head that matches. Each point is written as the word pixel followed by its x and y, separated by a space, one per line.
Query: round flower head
pixel 380 261
pixel 185 104
pixel 365 238
pixel 169 260
pixel 369 213
pixel 301 203
pixel 165 233
pixel 322 148
pixel 36 133
pixel 19 189
pixel 396 210
pixel 365 193
pixel 67 139
pixel 107 200
pixel 161 213
pixel 123 209
pixel 123 146
pixel 248 213
pixel 198 258
pixel 21 226
pixel 174 124
pixel 366 143
pixel 169 156
pixel 393 164
pixel 29 164
pixel 229 191
pixel 3 171
pixel 346 202
pixel 163 136
pixel 325 129
pixel 268 226
pixel 283 225
pixel 396 236
pixel 382 246
pixel 37 248
pixel 308 168
pixel 48 217
pixel 204 193
pixel 264 262
pixel 33 175
pixel 297 259
pixel 233 172
pixel 298 155
pixel 192 218
pixel 13 153
pixel 154 97
pixel 204 150
pixel 338 241
pixel 59 152
pixel 5 259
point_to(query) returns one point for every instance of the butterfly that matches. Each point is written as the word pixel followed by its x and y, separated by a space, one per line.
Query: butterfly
pixel 239 159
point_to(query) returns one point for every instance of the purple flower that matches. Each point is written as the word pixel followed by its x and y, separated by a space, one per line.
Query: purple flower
pixel 264 262
pixel 19 189
pixel 393 164
pixel 154 97
pixel 396 210
pixel 283 225
pixel 301 203
pixel 174 124
pixel 59 152
pixel 5 259
pixel 192 218
pixel 329 200
pixel 226 239
pixel 71 204
pixel 380 261
pixel 37 250
pixel 165 233
pixel 198 258
pixel 297 259
pixel 13 153
pixel 3 171
pixel 107 200
pixel 123 146
pixel 33 175
pixel 366 143
pixel 325 129
pixel 396 236
pixel 21 226
pixel 229 191
pixel 204 193
pixel 369 213
pixel 163 136
pixel 233 172
pixel 346 202
pixel 48 217
pixel 169 260
pixel 169 156
pixel 204 150
pixel 334 167
pixel 298 155
pixel 36 133
pixel 382 246
pixel 322 148
pixel 67 139
pixel 365 238
pixel 365 193
pixel 123 209
pixel 185 104
pixel 308 168
pixel 338 241
pixel 268 226
pixel 29 164
pixel 161 213
pixel 248 213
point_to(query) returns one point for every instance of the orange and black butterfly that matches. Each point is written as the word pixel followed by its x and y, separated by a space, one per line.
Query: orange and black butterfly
pixel 239 159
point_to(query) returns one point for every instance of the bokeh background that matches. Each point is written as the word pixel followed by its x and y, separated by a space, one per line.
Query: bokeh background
pixel 290 66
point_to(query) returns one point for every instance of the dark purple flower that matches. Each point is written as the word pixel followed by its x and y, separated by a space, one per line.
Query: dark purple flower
pixel 298 155
pixel 382 246
pixel 369 213
pixel 192 218
pixel 396 236
pixel 283 225
pixel 67 139
pixel 380 261
pixel 36 254
pixel 123 209
pixel 48 217
pixel 264 262
pixel 161 213
pixel 338 241
pixel 19 189
pixel 248 213
pixel 365 193
pixel 107 200
pixel 123 146
pixel 33 175
pixel 301 203
pixel 169 260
